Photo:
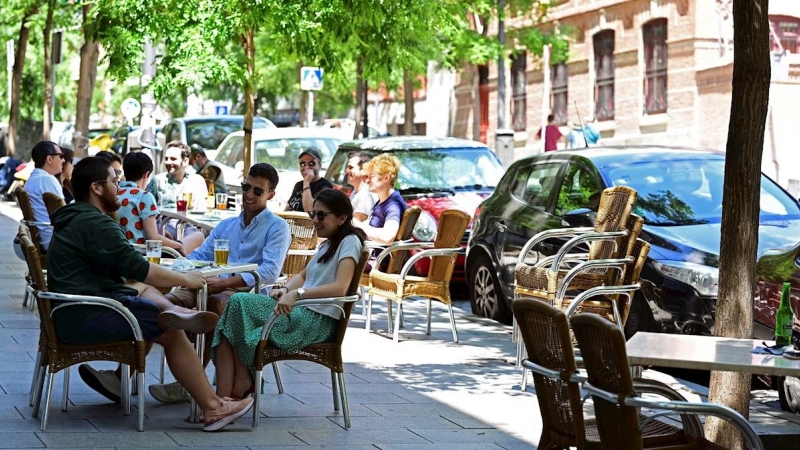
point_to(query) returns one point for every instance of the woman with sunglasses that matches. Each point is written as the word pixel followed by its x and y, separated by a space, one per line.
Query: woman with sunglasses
pixel 305 190
pixel 328 274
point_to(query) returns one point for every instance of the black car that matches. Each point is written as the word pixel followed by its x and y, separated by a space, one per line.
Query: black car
pixel 680 198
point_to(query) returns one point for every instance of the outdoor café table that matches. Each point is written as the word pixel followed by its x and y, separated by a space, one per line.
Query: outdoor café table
pixel 707 353
pixel 209 269
pixel 204 220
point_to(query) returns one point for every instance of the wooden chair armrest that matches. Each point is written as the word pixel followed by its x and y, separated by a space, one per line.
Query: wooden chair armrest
pixel 326 301
pixel 69 300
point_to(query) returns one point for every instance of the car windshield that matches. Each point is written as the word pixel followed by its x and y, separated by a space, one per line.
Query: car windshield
pixel 688 192
pixel 448 169
pixel 283 154
pixel 209 134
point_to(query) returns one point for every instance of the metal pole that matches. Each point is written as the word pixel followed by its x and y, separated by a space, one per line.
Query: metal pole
pixel 545 91
pixel 310 109
pixel 501 66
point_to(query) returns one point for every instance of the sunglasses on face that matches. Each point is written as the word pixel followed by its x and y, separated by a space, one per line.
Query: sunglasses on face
pixel 60 155
pixel 309 164
pixel 257 191
pixel 320 215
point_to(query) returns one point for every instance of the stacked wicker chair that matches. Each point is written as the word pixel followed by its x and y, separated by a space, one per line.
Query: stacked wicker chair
pixel 396 258
pixel 436 284
pixel 328 354
pixel 304 243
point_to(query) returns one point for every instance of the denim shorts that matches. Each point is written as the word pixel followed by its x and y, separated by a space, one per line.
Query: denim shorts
pixel 96 324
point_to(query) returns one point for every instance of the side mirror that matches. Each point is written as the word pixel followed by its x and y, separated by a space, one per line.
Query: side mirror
pixel 581 217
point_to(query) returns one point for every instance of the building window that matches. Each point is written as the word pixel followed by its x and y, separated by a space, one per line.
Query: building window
pixel 655 58
pixel 788 34
pixel 519 80
pixel 558 96
pixel 604 75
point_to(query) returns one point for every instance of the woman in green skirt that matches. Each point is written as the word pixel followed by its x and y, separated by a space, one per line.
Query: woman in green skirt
pixel 328 274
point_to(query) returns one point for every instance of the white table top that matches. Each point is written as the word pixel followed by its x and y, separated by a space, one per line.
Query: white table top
pixel 201 219
pixel 214 270
pixel 706 353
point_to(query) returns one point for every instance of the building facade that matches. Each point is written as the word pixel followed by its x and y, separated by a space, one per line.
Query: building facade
pixel 647 72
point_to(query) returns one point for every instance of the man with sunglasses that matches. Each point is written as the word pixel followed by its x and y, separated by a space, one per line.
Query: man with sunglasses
pixel 302 198
pixel 48 161
pixel 256 236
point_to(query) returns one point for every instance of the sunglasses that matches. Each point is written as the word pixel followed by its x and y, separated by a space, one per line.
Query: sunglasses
pixel 320 215
pixel 60 155
pixel 309 164
pixel 256 190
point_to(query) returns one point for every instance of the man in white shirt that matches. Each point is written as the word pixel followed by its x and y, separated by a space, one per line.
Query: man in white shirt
pixel 48 161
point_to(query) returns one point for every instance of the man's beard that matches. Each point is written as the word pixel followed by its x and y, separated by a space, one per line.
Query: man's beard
pixel 109 201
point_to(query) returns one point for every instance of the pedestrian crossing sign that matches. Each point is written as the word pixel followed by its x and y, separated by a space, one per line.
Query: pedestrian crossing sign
pixel 311 78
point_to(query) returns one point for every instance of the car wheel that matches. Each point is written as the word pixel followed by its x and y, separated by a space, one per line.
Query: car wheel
pixel 640 317
pixel 789 394
pixel 485 294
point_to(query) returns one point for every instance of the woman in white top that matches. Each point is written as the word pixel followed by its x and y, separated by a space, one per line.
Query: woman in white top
pixel 328 274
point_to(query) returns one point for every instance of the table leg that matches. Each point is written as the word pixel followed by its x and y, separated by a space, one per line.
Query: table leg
pixel 202 299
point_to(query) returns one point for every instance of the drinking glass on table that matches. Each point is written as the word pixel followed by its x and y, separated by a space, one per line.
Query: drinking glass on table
pixel 180 205
pixel 222 201
pixel 188 197
pixel 152 251
pixel 221 250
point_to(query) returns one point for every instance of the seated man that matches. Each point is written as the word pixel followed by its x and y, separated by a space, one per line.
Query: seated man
pixel 304 191
pixel 209 170
pixel 138 210
pixel 256 236
pixel 363 200
pixel 48 161
pixel 90 255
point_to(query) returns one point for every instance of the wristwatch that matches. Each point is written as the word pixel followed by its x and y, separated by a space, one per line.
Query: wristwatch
pixel 301 293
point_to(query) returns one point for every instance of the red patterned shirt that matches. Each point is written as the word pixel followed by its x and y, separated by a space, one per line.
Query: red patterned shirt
pixel 136 205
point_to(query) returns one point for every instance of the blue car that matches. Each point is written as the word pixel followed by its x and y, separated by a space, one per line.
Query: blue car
pixel 680 198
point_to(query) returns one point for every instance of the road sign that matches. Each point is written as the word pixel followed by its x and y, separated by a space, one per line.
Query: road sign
pixel 221 110
pixel 130 108
pixel 311 78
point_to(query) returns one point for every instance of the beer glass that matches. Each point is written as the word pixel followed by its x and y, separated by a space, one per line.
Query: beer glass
pixel 152 251
pixel 222 201
pixel 221 247
pixel 188 197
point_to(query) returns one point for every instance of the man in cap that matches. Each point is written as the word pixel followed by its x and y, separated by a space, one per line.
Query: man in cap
pixel 208 169
pixel 302 198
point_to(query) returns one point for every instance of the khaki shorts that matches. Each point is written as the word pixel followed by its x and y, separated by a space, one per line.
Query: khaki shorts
pixel 188 297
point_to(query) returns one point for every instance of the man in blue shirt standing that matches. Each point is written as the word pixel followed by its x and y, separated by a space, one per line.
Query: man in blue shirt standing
pixel 256 236
pixel 48 161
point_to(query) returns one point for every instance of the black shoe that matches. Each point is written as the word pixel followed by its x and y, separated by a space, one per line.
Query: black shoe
pixel 104 382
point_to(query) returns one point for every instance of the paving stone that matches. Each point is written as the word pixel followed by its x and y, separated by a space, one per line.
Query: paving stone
pixel 20 440
pixel 127 438
pixel 375 437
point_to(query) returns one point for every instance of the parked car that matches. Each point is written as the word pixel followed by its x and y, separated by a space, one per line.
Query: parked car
pixel 66 135
pixel 435 174
pixel 206 132
pixel 280 147
pixel 346 128
pixel 680 198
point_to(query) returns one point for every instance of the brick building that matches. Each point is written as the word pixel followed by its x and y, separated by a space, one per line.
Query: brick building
pixel 649 71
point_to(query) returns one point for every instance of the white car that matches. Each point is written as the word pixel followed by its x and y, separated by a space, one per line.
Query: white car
pixel 280 147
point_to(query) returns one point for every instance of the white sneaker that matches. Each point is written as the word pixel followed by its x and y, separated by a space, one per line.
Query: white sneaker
pixel 169 393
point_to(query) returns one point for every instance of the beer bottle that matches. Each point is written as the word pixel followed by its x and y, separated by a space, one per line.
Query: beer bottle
pixel 211 201
pixel 784 318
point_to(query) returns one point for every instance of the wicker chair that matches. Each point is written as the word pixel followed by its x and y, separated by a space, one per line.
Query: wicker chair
pixel 436 284
pixel 328 354
pixel 57 355
pixel 546 334
pixel 52 202
pixel 609 382
pixel 396 258
pixel 24 202
pixel 36 282
pixel 303 246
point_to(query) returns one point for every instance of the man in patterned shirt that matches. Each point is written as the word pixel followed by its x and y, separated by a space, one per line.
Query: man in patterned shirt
pixel 138 211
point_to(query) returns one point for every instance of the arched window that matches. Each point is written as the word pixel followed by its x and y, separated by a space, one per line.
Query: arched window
pixel 654 34
pixel 604 75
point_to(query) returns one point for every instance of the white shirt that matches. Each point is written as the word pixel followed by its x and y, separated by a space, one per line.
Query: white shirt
pixel 38 183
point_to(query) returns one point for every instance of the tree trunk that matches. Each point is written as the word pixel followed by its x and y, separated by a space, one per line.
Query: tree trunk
pixel 360 88
pixel 740 205
pixel 48 68
pixel 249 99
pixel 88 75
pixel 16 80
pixel 364 112
pixel 408 94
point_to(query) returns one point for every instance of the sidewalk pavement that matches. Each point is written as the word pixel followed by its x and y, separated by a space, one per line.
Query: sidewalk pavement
pixel 425 392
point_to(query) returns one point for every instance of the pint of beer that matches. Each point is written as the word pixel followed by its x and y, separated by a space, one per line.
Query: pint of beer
pixel 221 250
pixel 152 251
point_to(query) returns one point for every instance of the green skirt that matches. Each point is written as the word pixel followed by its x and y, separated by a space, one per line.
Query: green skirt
pixel 246 313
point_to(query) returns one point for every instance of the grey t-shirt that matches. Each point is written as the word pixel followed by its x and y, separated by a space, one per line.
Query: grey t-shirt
pixel 363 201
pixel 318 274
